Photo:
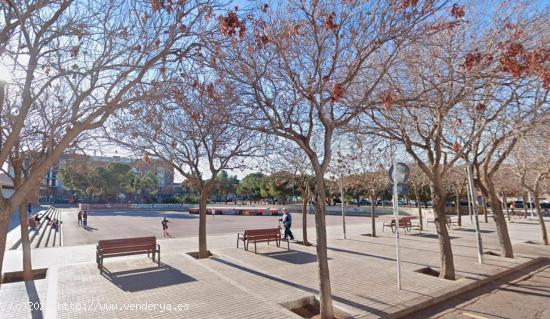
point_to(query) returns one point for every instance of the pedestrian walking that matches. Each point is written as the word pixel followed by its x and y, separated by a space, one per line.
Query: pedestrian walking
pixel 29 208
pixel 165 227
pixel 85 219
pixel 80 218
pixel 287 223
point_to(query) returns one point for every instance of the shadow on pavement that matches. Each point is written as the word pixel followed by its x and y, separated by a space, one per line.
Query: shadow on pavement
pixel 293 257
pixel 147 278
pixel 34 300
pixel 483 231
pixel 429 235
pixel 342 300
pixel 359 253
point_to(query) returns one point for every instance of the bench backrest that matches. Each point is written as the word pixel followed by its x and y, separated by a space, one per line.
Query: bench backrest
pixel 127 242
pixel 402 221
pixel 267 232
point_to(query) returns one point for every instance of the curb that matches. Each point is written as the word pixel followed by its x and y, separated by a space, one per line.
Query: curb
pixel 433 301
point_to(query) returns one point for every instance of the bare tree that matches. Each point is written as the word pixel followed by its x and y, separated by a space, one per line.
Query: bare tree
pixel 533 168
pixel 294 162
pixel 75 63
pixel 374 178
pixel 193 131
pixel 296 65
pixel 507 183
pixel 422 95
pixel 448 96
pixel 418 182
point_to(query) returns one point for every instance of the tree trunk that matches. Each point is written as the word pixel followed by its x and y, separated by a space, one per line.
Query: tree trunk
pixel 325 294
pixel 304 217
pixel 203 249
pixel 505 201
pixel 26 244
pixel 458 209
pixel 4 219
pixel 447 270
pixel 500 222
pixel 541 218
pixel 421 219
pixel 373 215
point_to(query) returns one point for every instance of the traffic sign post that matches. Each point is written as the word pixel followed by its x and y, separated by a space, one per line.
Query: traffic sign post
pixel 398 177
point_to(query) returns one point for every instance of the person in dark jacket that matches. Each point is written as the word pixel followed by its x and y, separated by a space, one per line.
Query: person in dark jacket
pixel 165 227
pixel 287 223
pixel 85 219
pixel 80 218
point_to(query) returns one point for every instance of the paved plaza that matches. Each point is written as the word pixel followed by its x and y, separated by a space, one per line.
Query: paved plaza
pixel 107 224
pixel 238 284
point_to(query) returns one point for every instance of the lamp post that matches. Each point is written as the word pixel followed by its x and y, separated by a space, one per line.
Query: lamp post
pixel 342 202
pixel 396 216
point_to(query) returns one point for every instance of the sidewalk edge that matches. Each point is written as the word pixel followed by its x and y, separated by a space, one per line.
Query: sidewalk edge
pixel 404 312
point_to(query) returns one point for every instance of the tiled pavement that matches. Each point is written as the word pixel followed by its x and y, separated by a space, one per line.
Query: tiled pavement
pixel 240 284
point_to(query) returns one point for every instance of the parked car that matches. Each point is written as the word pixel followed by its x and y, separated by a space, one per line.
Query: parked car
pixel 520 204
pixel 364 202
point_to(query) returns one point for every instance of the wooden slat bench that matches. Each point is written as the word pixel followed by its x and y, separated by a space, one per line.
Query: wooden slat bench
pixel 449 221
pixel 126 247
pixel 404 222
pixel 261 235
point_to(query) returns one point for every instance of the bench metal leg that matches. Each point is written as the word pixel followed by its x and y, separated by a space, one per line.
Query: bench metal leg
pixel 158 255
pixel 238 240
pixel 255 250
